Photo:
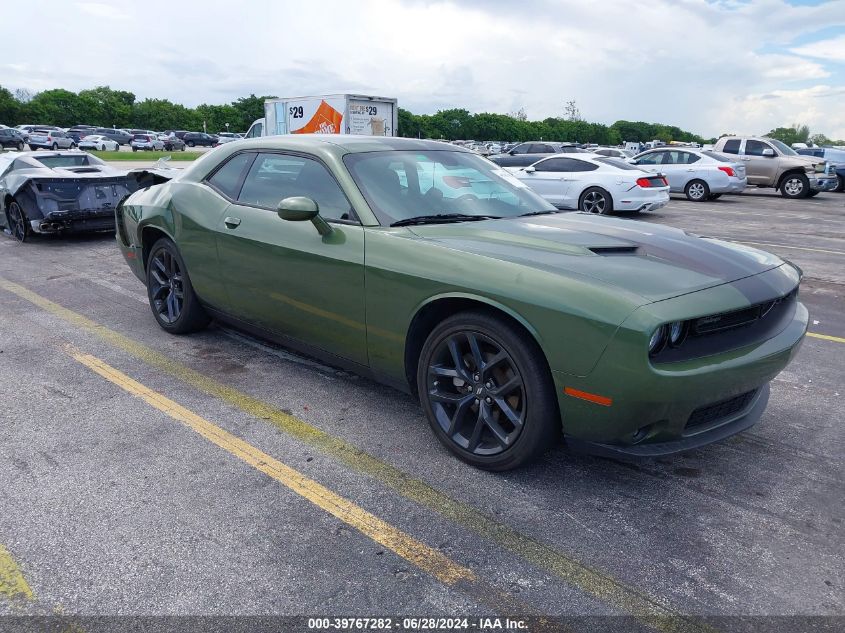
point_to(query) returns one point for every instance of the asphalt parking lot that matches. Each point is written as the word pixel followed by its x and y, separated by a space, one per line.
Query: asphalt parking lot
pixel 145 474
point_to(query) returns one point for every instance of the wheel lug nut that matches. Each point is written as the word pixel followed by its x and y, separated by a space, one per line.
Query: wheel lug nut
pixel 489 384
pixel 488 400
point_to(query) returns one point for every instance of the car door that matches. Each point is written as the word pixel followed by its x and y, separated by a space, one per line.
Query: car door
pixel 673 165
pixel 760 170
pixel 285 276
pixel 550 179
pixel 651 162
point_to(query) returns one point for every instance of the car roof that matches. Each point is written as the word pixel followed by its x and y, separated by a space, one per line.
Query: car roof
pixel 329 147
pixel 347 143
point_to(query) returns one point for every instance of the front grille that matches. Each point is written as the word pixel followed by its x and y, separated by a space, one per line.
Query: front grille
pixel 738 318
pixel 720 410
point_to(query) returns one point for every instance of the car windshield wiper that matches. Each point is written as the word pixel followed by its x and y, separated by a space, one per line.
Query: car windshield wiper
pixel 443 217
pixel 525 215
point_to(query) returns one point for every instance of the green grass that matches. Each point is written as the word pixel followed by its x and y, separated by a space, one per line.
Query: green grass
pixel 146 155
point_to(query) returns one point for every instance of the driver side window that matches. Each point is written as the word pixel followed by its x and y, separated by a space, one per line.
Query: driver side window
pixel 273 177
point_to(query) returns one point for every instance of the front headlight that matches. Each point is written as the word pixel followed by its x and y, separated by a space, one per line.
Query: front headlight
pixel 657 341
pixel 677 331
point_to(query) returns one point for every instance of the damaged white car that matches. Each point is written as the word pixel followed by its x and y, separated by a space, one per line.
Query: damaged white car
pixel 51 192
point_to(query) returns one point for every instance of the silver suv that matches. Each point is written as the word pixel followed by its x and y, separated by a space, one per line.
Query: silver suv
pixel 770 163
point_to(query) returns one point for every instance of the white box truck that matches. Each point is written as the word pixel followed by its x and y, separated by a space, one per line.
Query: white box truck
pixel 328 114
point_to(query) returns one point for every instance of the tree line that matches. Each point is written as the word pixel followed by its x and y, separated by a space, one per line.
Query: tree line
pixel 105 107
pixel 459 123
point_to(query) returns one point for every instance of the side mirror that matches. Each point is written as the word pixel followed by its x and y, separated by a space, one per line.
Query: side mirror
pixel 530 169
pixel 299 209
pixel 769 153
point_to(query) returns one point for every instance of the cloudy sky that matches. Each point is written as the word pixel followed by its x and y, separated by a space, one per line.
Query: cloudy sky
pixel 706 66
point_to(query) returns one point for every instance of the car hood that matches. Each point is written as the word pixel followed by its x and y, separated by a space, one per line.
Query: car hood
pixel 652 261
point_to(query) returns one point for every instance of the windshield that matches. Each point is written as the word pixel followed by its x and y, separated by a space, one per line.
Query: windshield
pixel 76 160
pixel 786 150
pixel 402 184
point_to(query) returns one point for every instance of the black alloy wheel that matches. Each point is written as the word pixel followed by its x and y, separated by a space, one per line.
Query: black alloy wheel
pixel 17 222
pixel 487 391
pixel 172 299
pixel 477 393
pixel 166 293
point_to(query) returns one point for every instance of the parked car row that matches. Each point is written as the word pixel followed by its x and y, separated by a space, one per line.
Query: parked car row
pixel 137 139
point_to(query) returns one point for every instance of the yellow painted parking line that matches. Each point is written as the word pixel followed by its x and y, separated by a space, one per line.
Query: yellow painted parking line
pixel 426 558
pixel 594 582
pixel 12 582
pixel 827 337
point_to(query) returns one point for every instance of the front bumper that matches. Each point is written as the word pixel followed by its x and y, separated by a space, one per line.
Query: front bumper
pixel 656 409
pixel 823 183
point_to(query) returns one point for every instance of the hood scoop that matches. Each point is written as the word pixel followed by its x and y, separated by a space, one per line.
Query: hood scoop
pixel 614 250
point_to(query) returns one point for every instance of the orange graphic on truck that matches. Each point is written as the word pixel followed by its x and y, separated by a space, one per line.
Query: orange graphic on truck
pixel 326 120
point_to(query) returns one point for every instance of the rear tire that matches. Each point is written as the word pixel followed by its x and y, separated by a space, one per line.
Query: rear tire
pixel 16 221
pixel 191 143
pixel 697 191
pixel 54 147
pixel 715 196
pixel 795 186
pixel 811 194
pixel 497 416
pixel 175 306
pixel 595 200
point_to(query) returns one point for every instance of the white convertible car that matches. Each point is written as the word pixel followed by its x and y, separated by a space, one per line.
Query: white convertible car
pixel 594 183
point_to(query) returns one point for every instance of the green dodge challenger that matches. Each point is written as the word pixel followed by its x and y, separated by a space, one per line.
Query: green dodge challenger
pixel 429 268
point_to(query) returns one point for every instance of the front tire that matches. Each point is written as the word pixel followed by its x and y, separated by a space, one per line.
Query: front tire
pixel 795 186
pixel 840 180
pixel 175 306
pixel 715 196
pixel 20 149
pixel 487 392
pixel 697 191
pixel 595 200
pixel 191 143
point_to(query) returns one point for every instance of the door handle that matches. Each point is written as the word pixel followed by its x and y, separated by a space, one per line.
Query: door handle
pixel 690 170
pixel 232 223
